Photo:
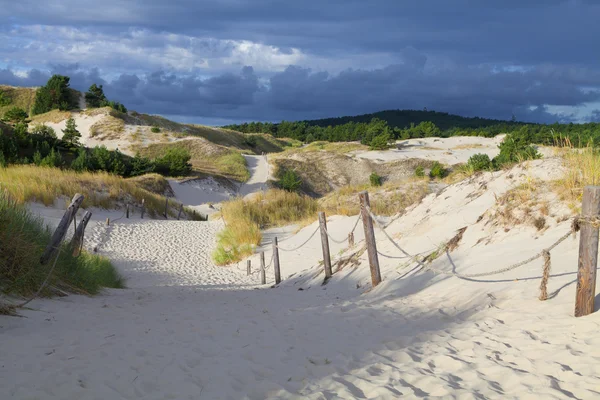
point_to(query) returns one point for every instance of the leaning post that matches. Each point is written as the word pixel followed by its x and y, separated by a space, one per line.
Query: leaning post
pixel 370 238
pixel 61 230
pixel 588 252
pixel 77 239
pixel 276 261
pixel 325 245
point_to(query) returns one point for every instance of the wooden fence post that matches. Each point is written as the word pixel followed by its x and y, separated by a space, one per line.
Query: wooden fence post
pixel 78 236
pixel 325 245
pixel 263 277
pixel 143 207
pixel 127 210
pixel 180 210
pixel 61 230
pixel 588 253
pixel 167 207
pixel 248 267
pixel 107 221
pixel 276 261
pixel 370 238
pixel 351 239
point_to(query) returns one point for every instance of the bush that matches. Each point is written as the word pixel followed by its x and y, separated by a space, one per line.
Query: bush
pixel 516 147
pixel 15 114
pixel 155 129
pixel 175 162
pixel 290 180
pixel 380 142
pixel 437 171
pixel 44 131
pixel 479 162
pixel 54 159
pixel 82 162
pixel 375 179
pixel 250 140
pixel 420 172
pixel 4 99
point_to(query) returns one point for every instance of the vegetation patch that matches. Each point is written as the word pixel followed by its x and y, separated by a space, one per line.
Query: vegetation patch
pixel 245 218
pixel 24 238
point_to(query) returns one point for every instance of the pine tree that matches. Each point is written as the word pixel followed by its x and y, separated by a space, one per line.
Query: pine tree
pixel 70 134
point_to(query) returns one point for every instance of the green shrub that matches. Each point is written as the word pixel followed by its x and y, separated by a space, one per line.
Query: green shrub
pixel 437 171
pixel 375 179
pixel 70 134
pixel 380 142
pixel 15 114
pixel 4 99
pixel 290 180
pixel 420 172
pixel 479 162
pixel 154 129
pixel 175 162
pixel 54 159
pixel 250 140
pixel 44 131
pixel 516 147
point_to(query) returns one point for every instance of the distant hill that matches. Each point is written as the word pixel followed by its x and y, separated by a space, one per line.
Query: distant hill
pixel 403 119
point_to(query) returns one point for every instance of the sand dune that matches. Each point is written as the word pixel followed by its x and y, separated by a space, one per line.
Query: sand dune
pixel 187 329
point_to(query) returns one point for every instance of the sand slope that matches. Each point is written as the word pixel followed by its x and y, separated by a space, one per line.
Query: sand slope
pixel 175 334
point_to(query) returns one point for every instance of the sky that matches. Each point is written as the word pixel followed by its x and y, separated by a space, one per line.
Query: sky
pixel 228 61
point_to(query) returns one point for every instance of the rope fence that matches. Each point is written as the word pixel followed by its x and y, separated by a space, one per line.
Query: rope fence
pixel 588 222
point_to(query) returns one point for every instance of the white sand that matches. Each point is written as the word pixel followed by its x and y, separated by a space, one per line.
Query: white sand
pixel 174 336
pixel 452 150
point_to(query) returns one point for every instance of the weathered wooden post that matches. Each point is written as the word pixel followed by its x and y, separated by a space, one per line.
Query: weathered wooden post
pixel 78 236
pixel 276 261
pixel 325 245
pixel 263 277
pixel 351 239
pixel 107 221
pixel 166 207
pixel 143 207
pixel 61 230
pixel 180 210
pixel 248 267
pixel 588 252
pixel 127 210
pixel 370 238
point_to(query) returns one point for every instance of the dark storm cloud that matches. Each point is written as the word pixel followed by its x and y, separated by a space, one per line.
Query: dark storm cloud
pixel 315 59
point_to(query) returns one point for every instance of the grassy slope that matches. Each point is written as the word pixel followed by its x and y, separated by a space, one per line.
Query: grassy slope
pixel 24 238
pixel 206 157
pixel 19 96
pixel 30 183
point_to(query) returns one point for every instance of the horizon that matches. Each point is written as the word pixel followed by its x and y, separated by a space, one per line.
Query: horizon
pixel 219 63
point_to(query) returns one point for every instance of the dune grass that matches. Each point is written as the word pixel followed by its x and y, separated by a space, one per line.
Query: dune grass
pixel 31 183
pixel 246 217
pixel 24 238
pixel 581 168
pixel 207 157
pixel 19 96
pixel 389 199
pixel 54 116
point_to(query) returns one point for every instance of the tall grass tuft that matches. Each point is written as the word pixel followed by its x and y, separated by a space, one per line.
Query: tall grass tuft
pixel 31 183
pixel 582 168
pixel 23 238
pixel 246 217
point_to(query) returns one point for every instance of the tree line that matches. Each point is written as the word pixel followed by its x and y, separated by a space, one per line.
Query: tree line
pixel 378 132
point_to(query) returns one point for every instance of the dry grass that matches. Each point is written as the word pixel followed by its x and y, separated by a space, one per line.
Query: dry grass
pixel 246 218
pixel 526 204
pixel 467 146
pixel 154 183
pixel 109 127
pixel 54 116
pixel 19 96
pixel 582 168
pixel 336 147
pixel 390 199
pixel 30 183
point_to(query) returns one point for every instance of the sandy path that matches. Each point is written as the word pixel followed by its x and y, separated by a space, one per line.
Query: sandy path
pixel 174 335
pixel 259 174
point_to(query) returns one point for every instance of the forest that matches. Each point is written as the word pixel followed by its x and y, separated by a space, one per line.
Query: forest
pixel 385 126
